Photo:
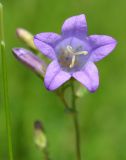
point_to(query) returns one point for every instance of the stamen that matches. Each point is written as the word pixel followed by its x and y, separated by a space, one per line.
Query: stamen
pixel 70 49
pixel 82 52
pixel 72 62
pixel 74 54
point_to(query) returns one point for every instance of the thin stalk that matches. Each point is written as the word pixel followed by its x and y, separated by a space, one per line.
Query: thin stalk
pixel 1 23
pixel 5 99
pixel 46 154
pixel 62 98
pixel 76 123
pixel 5 83
pixel 73 112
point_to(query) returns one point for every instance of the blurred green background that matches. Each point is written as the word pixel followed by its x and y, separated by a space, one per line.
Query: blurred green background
pixel 102 114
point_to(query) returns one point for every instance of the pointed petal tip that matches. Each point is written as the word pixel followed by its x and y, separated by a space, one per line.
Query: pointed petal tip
pixel 49 87
pixel 75 25
pixel 88 77
pixel 113 41
pixel 48 37
pixel 44 48
pixel 102 45
pixel 93 90
pixel 17 51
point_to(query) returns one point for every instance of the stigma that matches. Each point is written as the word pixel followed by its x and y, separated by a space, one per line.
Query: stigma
pixel 74 53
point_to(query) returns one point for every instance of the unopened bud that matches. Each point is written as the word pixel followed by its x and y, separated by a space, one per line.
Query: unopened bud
pixel 26 37
pixel 32 61
pixel 40 137
pixel 81 91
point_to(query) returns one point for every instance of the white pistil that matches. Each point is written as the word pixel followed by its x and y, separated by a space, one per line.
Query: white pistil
pixel 74 54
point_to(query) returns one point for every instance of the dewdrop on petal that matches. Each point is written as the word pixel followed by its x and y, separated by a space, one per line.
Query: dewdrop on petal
pixel 26 37
pixel 40 137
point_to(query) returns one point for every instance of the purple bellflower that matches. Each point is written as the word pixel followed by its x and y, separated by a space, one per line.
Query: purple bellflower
pixel 73 54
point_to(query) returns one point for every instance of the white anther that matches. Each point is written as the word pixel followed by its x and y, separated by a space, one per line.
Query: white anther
pixel 72 62
pixel 82 52
pixel 70 49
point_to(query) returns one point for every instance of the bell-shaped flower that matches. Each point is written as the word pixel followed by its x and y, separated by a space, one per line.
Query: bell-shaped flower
pixel 73 53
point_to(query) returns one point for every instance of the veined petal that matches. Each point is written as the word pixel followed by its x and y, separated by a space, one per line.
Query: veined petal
pixel 30 60
pixel 101 46
pixel 46 49
pixel 49 38
pixel 75 26
pixel 88 76
pixel 55 77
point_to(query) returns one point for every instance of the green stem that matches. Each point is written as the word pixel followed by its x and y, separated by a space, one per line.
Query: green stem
pixel 76 123
pixel 46 154
pixel 62 98
pixel 1 23
pixel 73 112
pixel 5 99
pixel 5 83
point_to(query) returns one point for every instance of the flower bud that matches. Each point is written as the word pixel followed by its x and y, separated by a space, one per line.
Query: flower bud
pixel 26 37
pixel 81 91
pixel 40 137
pixel 30 60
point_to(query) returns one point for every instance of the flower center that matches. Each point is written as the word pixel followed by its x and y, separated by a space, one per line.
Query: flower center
pixel 74 54
pixel 69 58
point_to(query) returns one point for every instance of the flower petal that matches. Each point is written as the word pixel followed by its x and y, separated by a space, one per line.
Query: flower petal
pixel 101 46
pixel 49 38
pixel 46 49
pixel 75 26
pixel 88 76
pixel 55 77
pixel 30 60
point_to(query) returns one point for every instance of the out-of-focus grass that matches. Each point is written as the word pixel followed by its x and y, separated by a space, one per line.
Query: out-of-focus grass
pixel 102 115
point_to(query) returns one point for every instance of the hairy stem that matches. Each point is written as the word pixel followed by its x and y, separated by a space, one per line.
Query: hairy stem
pixel 5 83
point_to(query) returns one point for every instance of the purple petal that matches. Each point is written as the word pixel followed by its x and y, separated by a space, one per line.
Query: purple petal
pixel 46 49
pixel 75 26
pixel 55 77
pixel 88 77
pixel 49 38
pixel 101 46
pixel 30 60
